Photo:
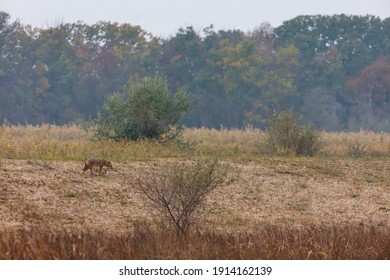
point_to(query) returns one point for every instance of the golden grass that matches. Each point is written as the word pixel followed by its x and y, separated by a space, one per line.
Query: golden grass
pixel 48 142
pixel 226 142
pixel 373 143
pixel 349 242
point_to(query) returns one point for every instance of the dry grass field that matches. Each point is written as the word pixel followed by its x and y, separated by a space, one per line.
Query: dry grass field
pixel 333 206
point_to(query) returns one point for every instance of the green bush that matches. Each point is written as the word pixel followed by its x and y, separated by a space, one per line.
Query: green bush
pixel 309 142
pixel 145 109
pixel 286 136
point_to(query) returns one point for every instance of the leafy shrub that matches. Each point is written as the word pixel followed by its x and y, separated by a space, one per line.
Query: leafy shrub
pixel 285 136
pixel 309 142
pixel 145 109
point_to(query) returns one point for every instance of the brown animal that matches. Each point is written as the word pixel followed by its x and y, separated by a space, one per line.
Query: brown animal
pixel 90 163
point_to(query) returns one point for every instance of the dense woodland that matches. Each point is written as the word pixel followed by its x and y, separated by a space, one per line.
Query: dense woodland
pixel 333 70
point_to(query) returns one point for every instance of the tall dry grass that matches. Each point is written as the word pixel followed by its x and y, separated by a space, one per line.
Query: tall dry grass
pixel 247 142
pixel 371 143
pixel 346 242
pixel 48 142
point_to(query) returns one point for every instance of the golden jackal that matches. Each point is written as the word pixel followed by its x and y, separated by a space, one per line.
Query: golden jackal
pixel 90 163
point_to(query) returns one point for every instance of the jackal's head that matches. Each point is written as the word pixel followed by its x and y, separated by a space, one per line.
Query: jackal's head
pixel 87 165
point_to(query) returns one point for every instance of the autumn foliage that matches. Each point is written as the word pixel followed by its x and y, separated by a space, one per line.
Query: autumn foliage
pixel 333 70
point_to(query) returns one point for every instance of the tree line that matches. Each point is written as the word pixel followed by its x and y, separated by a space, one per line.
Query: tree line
pixel 333 70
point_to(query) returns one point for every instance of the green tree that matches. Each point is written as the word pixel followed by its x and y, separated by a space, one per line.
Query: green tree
pixel 358 38
pixel 145 109
pixel 275 84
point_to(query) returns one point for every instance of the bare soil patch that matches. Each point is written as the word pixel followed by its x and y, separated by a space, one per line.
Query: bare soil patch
pixel 278 191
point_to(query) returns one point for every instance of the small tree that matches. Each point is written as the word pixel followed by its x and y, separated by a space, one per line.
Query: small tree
pixel 145 109
pixel 178 191
pixel 285 136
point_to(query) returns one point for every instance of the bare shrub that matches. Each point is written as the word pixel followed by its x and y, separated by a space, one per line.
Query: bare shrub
pixel 178 191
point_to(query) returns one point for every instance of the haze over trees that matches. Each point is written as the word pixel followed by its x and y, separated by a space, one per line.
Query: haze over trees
pixel 333 70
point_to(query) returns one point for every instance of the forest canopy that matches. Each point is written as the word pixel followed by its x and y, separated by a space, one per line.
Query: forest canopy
pixel 333 70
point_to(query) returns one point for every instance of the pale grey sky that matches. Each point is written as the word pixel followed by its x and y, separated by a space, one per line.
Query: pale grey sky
pixel 164 17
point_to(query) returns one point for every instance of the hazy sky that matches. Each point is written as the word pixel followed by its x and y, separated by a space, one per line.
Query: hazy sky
pixel 164 17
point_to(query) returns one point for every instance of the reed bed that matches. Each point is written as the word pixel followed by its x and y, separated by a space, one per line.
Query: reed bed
pixel 348 242
pixel 70 142
pixel 48 142
pixel 368 143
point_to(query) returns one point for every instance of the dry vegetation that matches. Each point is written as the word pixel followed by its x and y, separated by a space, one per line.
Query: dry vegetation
pixel 48 142
pixel 333 206
pixel 269 242
pixel 248 143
